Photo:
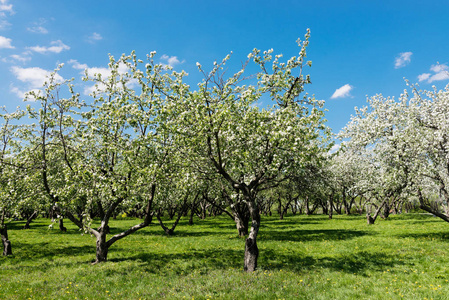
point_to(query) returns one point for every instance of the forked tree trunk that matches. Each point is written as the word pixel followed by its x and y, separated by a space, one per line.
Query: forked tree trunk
pixel 169 231
pixel 33 215
pixel 371 219
pixel 251 249
pixel 7 250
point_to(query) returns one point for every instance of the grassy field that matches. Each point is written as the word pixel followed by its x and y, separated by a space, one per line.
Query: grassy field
pixel 301 257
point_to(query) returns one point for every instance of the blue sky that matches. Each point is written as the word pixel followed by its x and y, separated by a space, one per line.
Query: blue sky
pixel 358 48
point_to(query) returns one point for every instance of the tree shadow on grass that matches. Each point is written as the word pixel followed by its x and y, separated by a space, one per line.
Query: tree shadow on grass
pixel 42 255
pixel 203 261
pixel 288 223
pixel 428 236
pixel 18 225
pixel 358 263
pixel 296 235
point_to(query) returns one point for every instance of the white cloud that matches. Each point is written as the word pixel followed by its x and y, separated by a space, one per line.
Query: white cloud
pixel 438 68
pixel 440 73
pixel 57 47
pixel 4 6
pixel 424 76
pixel 95 37
pixel 34 79
pixel 23 58
pixel 38 29
pixel 23 94
pixel 402 60
pixel 342 92
pixel 91 71
pixel 335 148
pixel 76 65
pixel 171 60
pixel 443 75
pixel 105 73
pixel 5 43
pixel 4 24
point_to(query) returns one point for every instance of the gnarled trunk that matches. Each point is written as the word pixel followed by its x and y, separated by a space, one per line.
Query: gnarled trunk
pixel 7 250
pixel 371 219
pixel 102 248
pixel 251 249
pixel 33 216
pixel 241 224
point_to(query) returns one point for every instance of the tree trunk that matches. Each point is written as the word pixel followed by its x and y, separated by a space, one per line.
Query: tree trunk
pixel 102 248
pixel 386 212
pixel 169 231
pixel 251 249
pixel 306 206
pixel 241 224
pixel 192 213
pixel 324 207
pixel 331 206
pixel 372 219
pixel 345 203
pixel 61 225
pixel 33 215
pixel 7 250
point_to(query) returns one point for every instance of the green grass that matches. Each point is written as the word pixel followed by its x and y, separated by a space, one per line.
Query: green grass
pixel 302 257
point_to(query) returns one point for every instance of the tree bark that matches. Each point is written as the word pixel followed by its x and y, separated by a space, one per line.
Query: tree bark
pixel 102 248
pixel 7 248
pixel 192 213
pixel 33 215
pixel 331 206
pixel 241 224
pixel 169 231
pixel 251 249
pixel 372 219
pixel 61 225
pixel 306 206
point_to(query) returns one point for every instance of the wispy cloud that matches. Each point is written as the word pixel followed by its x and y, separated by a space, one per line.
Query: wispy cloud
pixel 92 71
pixel 94 37
pixel 4 24
pixel 424 76
pixel 403 59
pixel 171 60
pixel 38 27
pixel 22 58
pixel 76 65
pixel 342 92
pixel 440 72
pixel 33 78
pixel 56 47
pixel 6 7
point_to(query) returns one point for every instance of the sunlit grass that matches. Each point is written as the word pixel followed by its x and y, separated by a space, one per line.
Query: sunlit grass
pixel 302 257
